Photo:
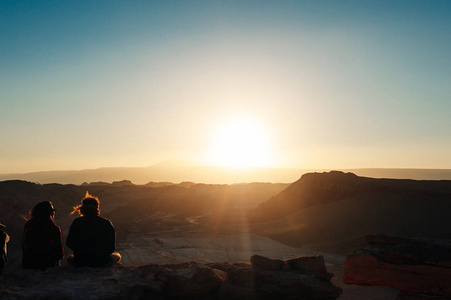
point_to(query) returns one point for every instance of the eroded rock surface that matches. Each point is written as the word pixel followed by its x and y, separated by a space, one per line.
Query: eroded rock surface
pixel 419 268
pixel 300 278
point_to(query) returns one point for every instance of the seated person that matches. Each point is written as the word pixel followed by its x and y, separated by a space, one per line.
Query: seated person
pixel 4 238
pixel 41 239
pixel 91 237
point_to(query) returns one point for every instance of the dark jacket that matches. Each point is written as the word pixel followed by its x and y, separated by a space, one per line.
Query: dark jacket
pixel 93 239
pixel 41 244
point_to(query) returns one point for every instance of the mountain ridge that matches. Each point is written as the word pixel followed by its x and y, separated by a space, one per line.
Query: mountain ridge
pixel 336 210
pixel 178 172
pixel 319 188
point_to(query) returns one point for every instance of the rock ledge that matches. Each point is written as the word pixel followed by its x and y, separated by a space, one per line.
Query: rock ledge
pixel 264 278
pixel 418 268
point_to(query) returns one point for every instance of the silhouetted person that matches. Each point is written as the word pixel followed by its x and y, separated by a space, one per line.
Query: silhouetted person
pixel 91 237
pixel 41 239
pixel 4 238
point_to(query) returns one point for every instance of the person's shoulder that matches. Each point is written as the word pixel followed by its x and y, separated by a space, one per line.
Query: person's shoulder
pixel 50 223
pixel 104 221
pixel 77 220
pixel 55 226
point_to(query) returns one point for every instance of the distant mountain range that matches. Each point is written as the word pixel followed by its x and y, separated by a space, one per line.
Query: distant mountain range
pixel 180 172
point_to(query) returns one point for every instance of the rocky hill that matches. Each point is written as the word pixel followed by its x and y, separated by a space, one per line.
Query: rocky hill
pixel 336 210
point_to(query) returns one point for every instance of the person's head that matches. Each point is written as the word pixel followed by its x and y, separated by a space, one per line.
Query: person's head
pixel 89 206
pixel 43 210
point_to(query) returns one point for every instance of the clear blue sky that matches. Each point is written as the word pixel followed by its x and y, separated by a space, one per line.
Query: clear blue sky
pixel 332 84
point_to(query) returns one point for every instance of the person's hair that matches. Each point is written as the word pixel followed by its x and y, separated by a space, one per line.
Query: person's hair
pixel 89 206
pixel 43 210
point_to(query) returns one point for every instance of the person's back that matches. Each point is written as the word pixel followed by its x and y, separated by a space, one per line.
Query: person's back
pixel 41 239
pixel 91 237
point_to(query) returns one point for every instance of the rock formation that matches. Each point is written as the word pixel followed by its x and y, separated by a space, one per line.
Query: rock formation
pixel 314 189
pixel 333 211
pixel 418 268
pixel 299 278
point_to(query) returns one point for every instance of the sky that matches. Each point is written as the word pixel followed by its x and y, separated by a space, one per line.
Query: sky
pixel 289 84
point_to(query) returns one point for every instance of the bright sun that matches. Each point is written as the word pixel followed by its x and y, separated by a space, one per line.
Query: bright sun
pixel 240 143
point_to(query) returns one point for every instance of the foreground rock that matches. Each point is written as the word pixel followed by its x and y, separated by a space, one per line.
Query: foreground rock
pixel 419 268
pixel 304 277
pixel 299 278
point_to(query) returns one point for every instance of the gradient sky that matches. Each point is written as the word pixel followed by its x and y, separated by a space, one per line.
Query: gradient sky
pixel 332 84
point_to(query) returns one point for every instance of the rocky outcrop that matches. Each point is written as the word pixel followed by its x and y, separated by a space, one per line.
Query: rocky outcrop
pixel 314 189
pixel 195 280
pixel 419 268
pixel 299 278
pixel 304 213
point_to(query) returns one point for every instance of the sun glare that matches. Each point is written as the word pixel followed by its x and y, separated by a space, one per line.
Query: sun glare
pixel 240 143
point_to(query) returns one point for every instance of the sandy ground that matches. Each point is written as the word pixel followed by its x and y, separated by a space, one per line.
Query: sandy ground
pixel 173 246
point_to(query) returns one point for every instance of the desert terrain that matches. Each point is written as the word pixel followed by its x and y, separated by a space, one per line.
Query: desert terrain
pixel 321 213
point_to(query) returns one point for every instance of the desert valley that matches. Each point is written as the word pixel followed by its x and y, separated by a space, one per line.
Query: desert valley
pixel 325 214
